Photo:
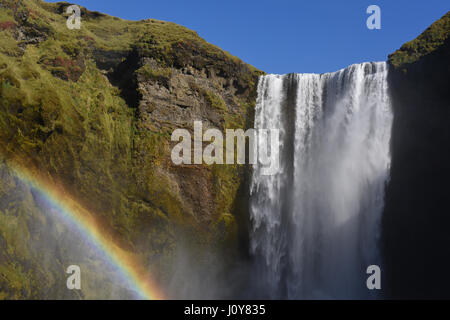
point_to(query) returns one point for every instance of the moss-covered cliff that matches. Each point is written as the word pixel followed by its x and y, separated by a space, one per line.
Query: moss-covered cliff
pixel 432 39
pixel 416 220
pixel 94 109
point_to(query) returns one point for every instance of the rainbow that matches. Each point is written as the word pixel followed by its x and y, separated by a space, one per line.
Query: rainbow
pixel 76 216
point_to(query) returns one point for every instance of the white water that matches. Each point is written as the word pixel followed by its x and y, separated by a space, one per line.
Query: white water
pixel 316 223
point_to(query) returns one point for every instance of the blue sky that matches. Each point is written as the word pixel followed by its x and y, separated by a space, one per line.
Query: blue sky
pixel 282 36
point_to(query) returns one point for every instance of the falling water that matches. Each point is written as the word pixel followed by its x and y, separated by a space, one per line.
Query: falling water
pixel 316 222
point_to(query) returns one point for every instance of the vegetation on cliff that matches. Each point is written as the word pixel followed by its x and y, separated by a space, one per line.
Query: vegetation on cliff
pixel 427 42
pixel 415 219
pixel 94 109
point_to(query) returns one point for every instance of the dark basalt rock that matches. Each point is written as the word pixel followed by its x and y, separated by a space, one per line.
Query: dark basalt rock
pixel 416 219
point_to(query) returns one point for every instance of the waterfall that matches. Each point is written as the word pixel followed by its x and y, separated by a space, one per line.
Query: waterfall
pixel 315 224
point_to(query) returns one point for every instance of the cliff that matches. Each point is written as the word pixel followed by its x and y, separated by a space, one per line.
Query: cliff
pixel 416 220
pixel 93 110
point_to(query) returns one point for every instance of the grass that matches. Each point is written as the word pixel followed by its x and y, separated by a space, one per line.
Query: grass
pixel 214 100
pixel 61 115
pixel 431 39
pixel 158 75
pixel 7 16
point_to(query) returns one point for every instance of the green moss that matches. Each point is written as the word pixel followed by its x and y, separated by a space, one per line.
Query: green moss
pixel 226 229
pixel 9 46
pixel 6 15
pixel 227 180
pixel 431 39
pixel 214 100
pixel 147 73
pixel 81 132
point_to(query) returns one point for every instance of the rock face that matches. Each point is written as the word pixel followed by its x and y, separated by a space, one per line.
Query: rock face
pixel 93 110
pixel 416 219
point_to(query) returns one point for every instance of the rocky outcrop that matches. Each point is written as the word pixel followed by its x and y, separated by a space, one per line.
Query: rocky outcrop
pixel 416 220
pixel 94 109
